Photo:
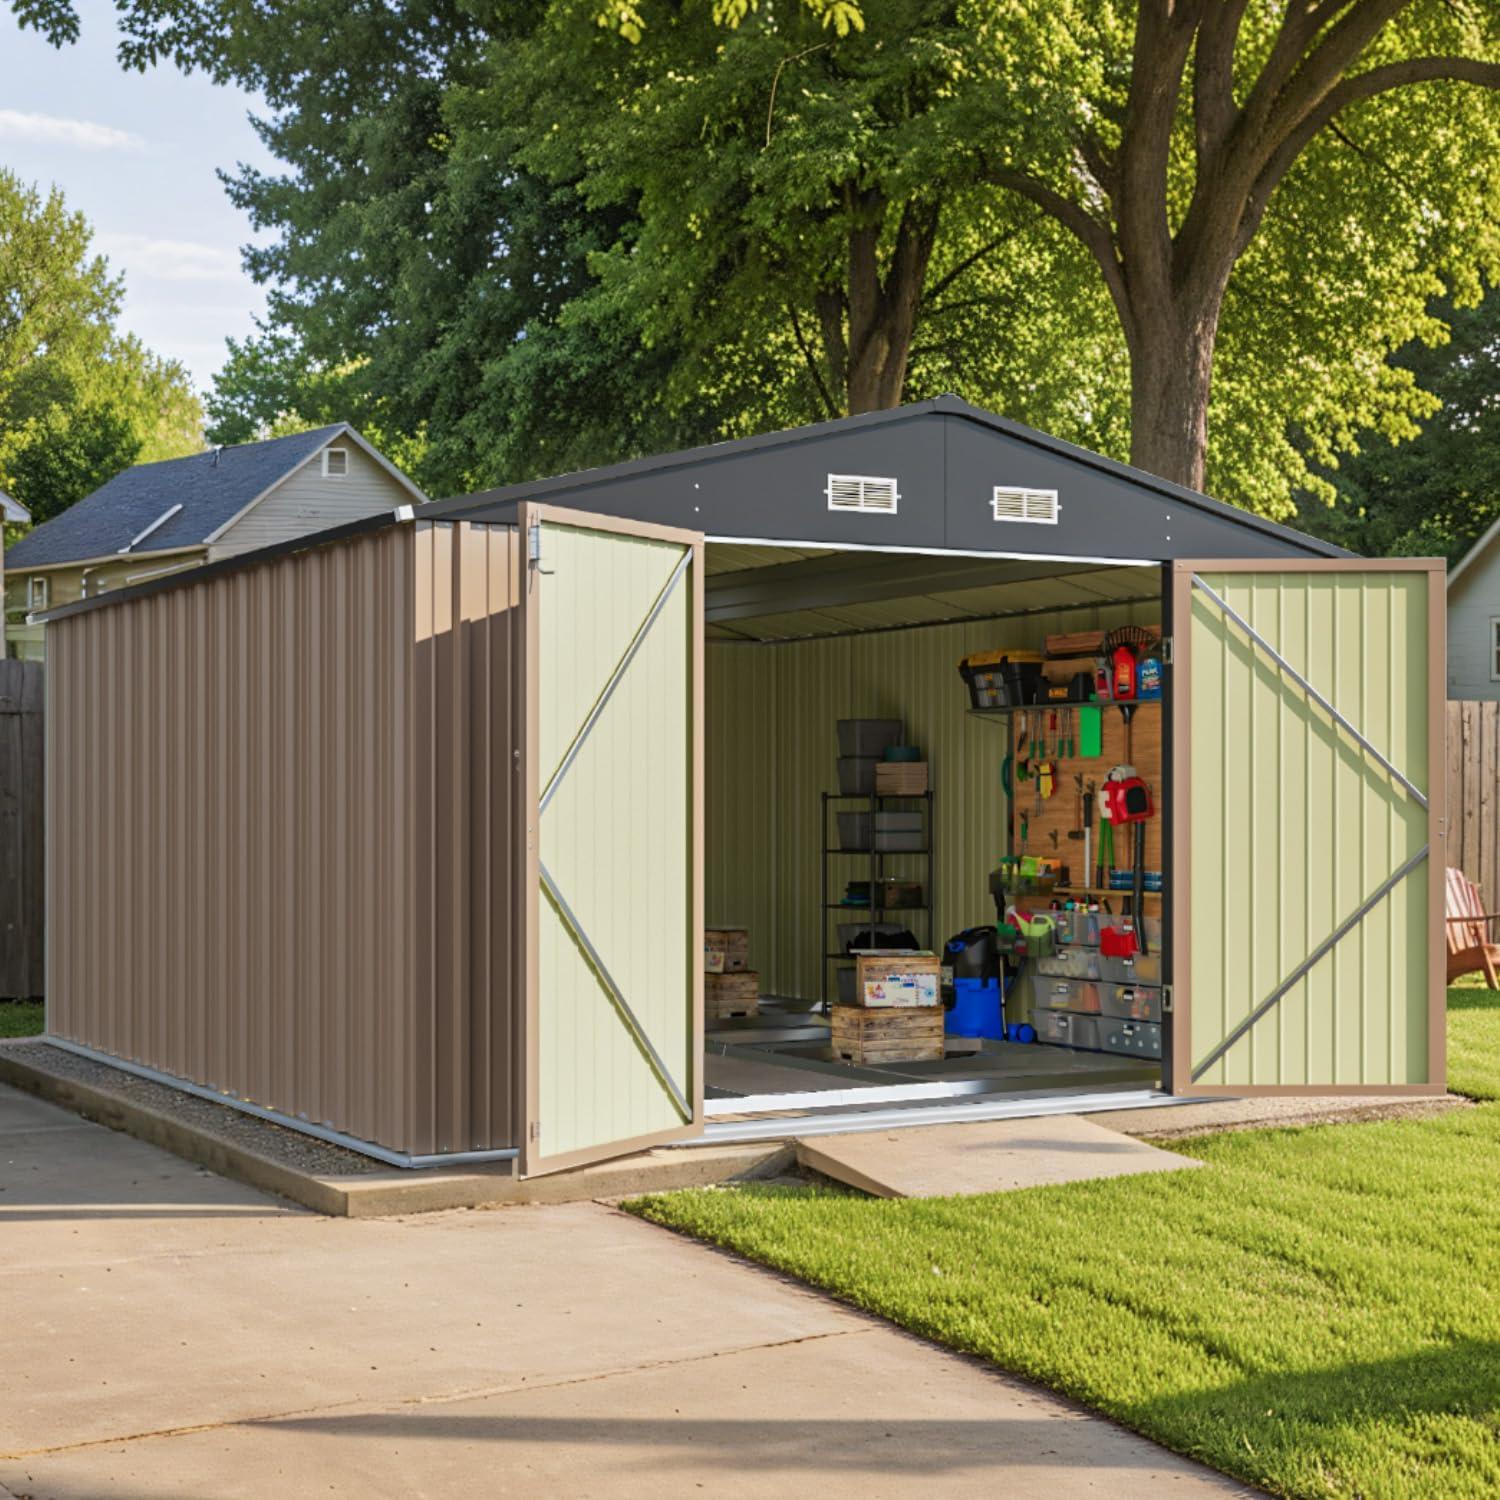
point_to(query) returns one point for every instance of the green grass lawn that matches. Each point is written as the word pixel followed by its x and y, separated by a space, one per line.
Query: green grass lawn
pixel 20 1018
pixel 1316 1310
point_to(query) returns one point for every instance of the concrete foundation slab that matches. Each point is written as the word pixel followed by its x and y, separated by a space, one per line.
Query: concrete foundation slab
pixel 173 1334
pixel 993 1156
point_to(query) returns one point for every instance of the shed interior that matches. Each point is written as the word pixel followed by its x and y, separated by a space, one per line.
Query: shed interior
pixel 800 638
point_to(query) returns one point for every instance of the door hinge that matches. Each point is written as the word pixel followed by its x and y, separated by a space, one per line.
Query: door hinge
pixel 1166 999
pixel 1166 651
pixel 534 1131
pixel 534 549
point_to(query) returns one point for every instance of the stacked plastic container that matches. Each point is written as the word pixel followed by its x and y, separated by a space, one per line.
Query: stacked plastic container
pixel 1085 998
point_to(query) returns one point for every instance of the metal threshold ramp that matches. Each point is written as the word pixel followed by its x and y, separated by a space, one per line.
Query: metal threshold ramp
pixel 951 1111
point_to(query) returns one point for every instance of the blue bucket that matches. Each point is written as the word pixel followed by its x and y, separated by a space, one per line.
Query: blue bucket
pixel 976 1009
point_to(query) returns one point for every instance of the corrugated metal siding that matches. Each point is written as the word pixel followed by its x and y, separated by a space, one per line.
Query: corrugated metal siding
pixel 773 749
pixel 616 838
pixel 307 502
pixel 249 842
pixel 1473 602
pixel 1292 828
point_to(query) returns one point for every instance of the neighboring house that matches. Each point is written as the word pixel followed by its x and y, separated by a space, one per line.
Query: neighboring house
pixel 164 517
pixel 12 513
pixel 1474 620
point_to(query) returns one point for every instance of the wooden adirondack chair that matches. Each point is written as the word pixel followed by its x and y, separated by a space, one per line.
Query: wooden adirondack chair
pixel 1469 947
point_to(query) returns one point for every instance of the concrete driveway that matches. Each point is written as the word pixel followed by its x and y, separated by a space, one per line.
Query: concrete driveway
pixel 168 1333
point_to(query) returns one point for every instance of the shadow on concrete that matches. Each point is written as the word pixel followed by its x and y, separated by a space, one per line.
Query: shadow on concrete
pixel 806 1445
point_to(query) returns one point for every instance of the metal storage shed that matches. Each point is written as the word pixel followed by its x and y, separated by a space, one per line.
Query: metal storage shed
pixel 398 832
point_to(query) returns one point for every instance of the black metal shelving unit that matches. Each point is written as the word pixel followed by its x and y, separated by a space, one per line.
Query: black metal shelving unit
pixel 875 908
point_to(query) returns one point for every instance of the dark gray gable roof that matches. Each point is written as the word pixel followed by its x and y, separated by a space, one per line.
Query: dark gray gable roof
pixel 210 494
pixel 945 452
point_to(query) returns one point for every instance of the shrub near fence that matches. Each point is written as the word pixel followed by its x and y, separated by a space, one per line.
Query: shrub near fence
pixel 21 829
pixel 1474 794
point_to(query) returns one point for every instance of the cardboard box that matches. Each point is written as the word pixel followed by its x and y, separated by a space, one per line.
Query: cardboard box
pixel 901 778
pixel 892 979
pixel 726 950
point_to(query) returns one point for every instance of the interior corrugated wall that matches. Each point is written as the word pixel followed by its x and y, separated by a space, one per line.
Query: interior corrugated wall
pixel 261 803
pixel 1292 827
pixel 772 750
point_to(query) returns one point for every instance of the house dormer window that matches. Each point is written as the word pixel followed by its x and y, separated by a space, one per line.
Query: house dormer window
pixel 335 463
pixel 37 592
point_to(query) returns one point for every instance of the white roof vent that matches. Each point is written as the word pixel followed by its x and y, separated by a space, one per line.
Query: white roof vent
pixel 862 492
pixel 1039 507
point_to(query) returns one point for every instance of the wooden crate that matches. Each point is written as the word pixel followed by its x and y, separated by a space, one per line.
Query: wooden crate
pixel 863 1035
pixel 897 979
pixel 726 995
pixel 1075 643
pixel 726 950
pixel 901 778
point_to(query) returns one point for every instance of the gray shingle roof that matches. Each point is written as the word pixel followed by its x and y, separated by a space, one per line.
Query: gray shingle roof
pixel 210 494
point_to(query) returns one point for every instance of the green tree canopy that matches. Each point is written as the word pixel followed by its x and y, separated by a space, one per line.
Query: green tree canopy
pixel 526 233
pixel 78 400
pixel 1434 495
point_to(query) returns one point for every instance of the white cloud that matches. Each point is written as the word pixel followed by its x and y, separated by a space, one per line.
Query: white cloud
pixel 56 130
pixel 141 256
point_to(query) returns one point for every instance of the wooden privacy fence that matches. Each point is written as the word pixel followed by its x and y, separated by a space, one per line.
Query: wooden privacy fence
pixel 21 829
pixel 1474 795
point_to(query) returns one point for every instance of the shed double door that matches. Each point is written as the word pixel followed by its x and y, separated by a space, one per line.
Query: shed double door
pixel 1306 876
pixel 612 762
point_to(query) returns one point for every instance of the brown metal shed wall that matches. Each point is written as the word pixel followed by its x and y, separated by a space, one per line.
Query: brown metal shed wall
pixel 465 801
pixel 255 813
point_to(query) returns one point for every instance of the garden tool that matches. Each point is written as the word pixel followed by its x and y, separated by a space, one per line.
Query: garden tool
pixel 1123 647
pixel 1090 732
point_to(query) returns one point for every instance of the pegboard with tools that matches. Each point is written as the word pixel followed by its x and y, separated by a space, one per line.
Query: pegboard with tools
pixel 1052 778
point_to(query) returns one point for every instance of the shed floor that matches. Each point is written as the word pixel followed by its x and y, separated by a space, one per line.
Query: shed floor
pixel 772 1059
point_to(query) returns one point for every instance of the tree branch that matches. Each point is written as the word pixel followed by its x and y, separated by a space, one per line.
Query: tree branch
pixel 1321 69
pixel 1214 109
pixel 812 364
pixel 1356 90
pixel 1096 236
pixel 947 279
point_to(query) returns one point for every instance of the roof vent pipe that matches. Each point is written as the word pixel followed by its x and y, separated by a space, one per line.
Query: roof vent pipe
pixel 218 449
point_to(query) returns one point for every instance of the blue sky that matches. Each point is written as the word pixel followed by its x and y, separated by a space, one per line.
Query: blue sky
pixel 137 154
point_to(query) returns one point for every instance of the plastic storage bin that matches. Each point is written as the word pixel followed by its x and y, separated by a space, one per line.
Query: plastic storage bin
pixel 883 935
pixel 855 830
pixel 1143 968
pixel 1078 928
pixel 857 774
pixel 1131 1002
pixel 1069 962
pixel 1149 925
pixel 976 1009
pixel 868 736
pixel 1133 1038
pixel 1067 994
pixel 1063 1029
pixel 899 832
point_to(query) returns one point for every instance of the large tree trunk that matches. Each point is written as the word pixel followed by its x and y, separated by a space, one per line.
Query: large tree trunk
pixel 1171 370
pixel 868 325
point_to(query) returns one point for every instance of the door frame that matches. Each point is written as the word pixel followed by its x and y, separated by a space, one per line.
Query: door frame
pixel 530 1128
pixel 1179 1080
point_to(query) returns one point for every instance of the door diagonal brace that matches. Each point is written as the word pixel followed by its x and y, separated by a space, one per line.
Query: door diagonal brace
pixel 632 1022
pixel 1276 996
pixel 609 687
pixel 1259 640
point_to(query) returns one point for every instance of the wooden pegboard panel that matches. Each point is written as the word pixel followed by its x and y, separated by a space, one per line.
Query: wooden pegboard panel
pixel 1059 813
